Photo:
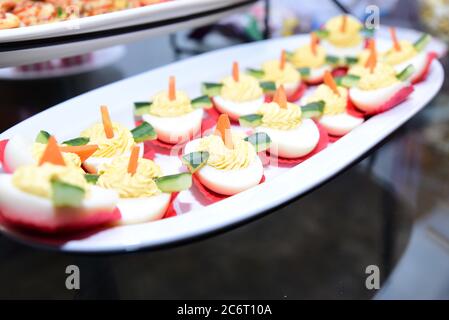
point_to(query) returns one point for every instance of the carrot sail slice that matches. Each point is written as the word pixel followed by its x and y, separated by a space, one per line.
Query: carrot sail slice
pixel 282 60
pixel 223 130
pixel 330 82
pixel 344 23
pixel 52 154
pixel 133 160
pixel 107 123
pixel 394 38
pixel 235 71
pixel 84 152
pixel 280 97
pixel 172 89
pixel 314 43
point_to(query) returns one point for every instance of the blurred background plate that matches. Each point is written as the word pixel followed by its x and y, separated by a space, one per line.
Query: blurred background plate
pixel 73 37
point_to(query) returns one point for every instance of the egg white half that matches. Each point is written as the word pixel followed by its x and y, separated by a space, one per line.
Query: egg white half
pixel 340 124
pixel 237 109
pixel 228 182
pixel 419 62
pixel 29 208
pixel 293 143
pixel 317 74
pixel 176 129
pixel 342 52
pixel 139 210
pixel 370 100
pixel 96 162
pixel 18 152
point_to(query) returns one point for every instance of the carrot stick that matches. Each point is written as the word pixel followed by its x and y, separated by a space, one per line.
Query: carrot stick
pixel 330 82
pixel 107 124
pixel 172 88
pixel 394 37
pixel 52 154
pixel 372 61
pixel 344 23
pixel 84 152
pixel 372 44
pixel 280 97
pixel 283 59
pixel 235 71
pixel 89 168
pixel 223 130
pixel 133 160
pixel 314 43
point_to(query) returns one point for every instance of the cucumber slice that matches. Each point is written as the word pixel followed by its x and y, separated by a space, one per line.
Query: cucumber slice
pixel 260 140
pixel 81 141
pixel 368 32
pixel 305 72
pixel 321 33
pixel 42 137
pixel 313 110
pixel 351 60
pixel 268 86
pixel 144 132
pixel 202 102
pixel 91 178
pixel 195 160
pixel 256 73
pixel 332 60
pixel 405 74
pixel 422 42
pixel 141 108
pixel 66 195
pixel 174 183
pixel 347 81
pixel 251 120
pixel 211 89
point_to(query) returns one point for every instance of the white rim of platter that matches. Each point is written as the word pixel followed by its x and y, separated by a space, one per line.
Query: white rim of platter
pixel 278 190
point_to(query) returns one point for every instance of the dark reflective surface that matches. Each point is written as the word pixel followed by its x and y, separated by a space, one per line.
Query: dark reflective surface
pixel 316 247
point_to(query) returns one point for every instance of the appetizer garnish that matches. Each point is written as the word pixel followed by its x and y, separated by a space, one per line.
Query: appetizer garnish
pixel 237 95
pixel 226 162
pixel 113 140
pixel 282 73
pixel 336 118
pixel 292 136
pixel 145 194
pixel 21 151
pixel 174 117
pixel 53 197
pixel 404 53
pixel 8 20
pixel 376 87
pixel 343 39
pixel 311 61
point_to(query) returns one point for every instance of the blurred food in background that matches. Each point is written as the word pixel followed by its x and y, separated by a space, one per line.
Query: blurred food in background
pixel 435 17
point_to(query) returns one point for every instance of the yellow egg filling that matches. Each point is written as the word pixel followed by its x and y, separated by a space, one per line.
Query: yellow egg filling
pixel 224 158
pixel 406 53
pixel 351 37
pixel 304 57
pixel 139 185
pixel 246 89
pixel 334 104
pixel 121 143
pixel 382 76
pixel 162 106
pixel 273 72
pixel 36 180
pixel 279 118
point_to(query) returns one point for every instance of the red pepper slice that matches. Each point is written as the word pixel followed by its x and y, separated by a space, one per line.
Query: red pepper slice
pixel 423 76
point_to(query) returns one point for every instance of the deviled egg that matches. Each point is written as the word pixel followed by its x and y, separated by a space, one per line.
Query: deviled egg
pixel 226 162
pixel 292 135
pixel 21 150
pixel 53 197
pixel 144 192
pixel 237 95
pixel 172 114
pixel 376 87
pixel 335 119
pixel 113 140
pixel 404 53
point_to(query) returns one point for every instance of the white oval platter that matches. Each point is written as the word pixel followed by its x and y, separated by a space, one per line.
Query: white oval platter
pixel 194 219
